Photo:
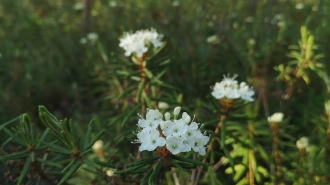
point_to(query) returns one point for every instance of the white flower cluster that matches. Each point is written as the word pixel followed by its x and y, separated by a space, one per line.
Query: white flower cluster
pixel 276 117
pixel 229 88
pixel 140 41
pixel 179 135
pixel 303 143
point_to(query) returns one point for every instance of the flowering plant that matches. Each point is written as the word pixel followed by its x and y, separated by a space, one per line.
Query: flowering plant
pixel 230 89
pixel 168 137
pixel 140 42
pixel 177 135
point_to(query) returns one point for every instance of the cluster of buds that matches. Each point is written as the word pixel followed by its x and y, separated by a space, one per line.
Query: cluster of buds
pixel 139 42
pixel 170 136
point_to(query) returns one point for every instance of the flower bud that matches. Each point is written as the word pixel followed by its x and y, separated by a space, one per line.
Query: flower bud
pixel 162 125
pixel 184 114
pixel 167 116
pixel 186 119
pixel 177 111
pixel 98 145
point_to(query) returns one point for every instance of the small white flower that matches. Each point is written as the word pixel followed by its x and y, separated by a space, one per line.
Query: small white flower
pixel 214 40
pixel 162 105
pixel 175 3
pixel 92 36
pixel 180 135
pixel 176 128
pixel 150 139
pixel 197 143
pixel 229 88
pixel 192 131
pixel 83 40
pixel 302 143
pixel 140 41
pixel 176 145
pixel 299 6
pixel 276 117
pixel 78 6
pixel 251 41
pixel 245 92
pixel 110 172
pixel 112 3
pixel 249 19
pixel 153 119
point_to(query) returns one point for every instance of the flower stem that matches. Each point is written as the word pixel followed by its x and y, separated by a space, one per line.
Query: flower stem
pixel 217 130
pixel 276 152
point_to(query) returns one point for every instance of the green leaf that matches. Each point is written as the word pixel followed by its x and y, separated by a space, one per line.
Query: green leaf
pixel 156 171
pixel 97 137
pixel 49 163
pixel 73 169
pixel 145 179
pixel 72 162
pixel 17 155
pixel 146 161
pixel 91 163
pixel 57 149
pixel 175 164
pixel 188 160
pixel 24 171
pixel 128 170
pixel 88 134
pixel 43 137
pixel 140 90
pixel 8 122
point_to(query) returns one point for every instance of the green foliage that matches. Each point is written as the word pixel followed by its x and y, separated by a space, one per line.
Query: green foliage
pixel 47 57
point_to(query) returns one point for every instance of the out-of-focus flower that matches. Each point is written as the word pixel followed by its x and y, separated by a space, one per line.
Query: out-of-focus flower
pixel 174 136
pixel 113 3
pixel 280 23
pixel 162 105
pixel 175 3
pixel 279 17
pixel 110 172
pixel 251 42
pixel 228 88
pixel 299 6
pixel 276 117
pixel 303 143
pixel 97 145
pixel 139 42
pixel 78 6
pixel 83 40
pixel 213 40
pixel 249 19
pixel 98 148
pixel 92 36
pixel 235 25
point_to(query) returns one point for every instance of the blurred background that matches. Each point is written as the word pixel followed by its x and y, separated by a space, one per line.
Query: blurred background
pixel 46 57
pixel 64 54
